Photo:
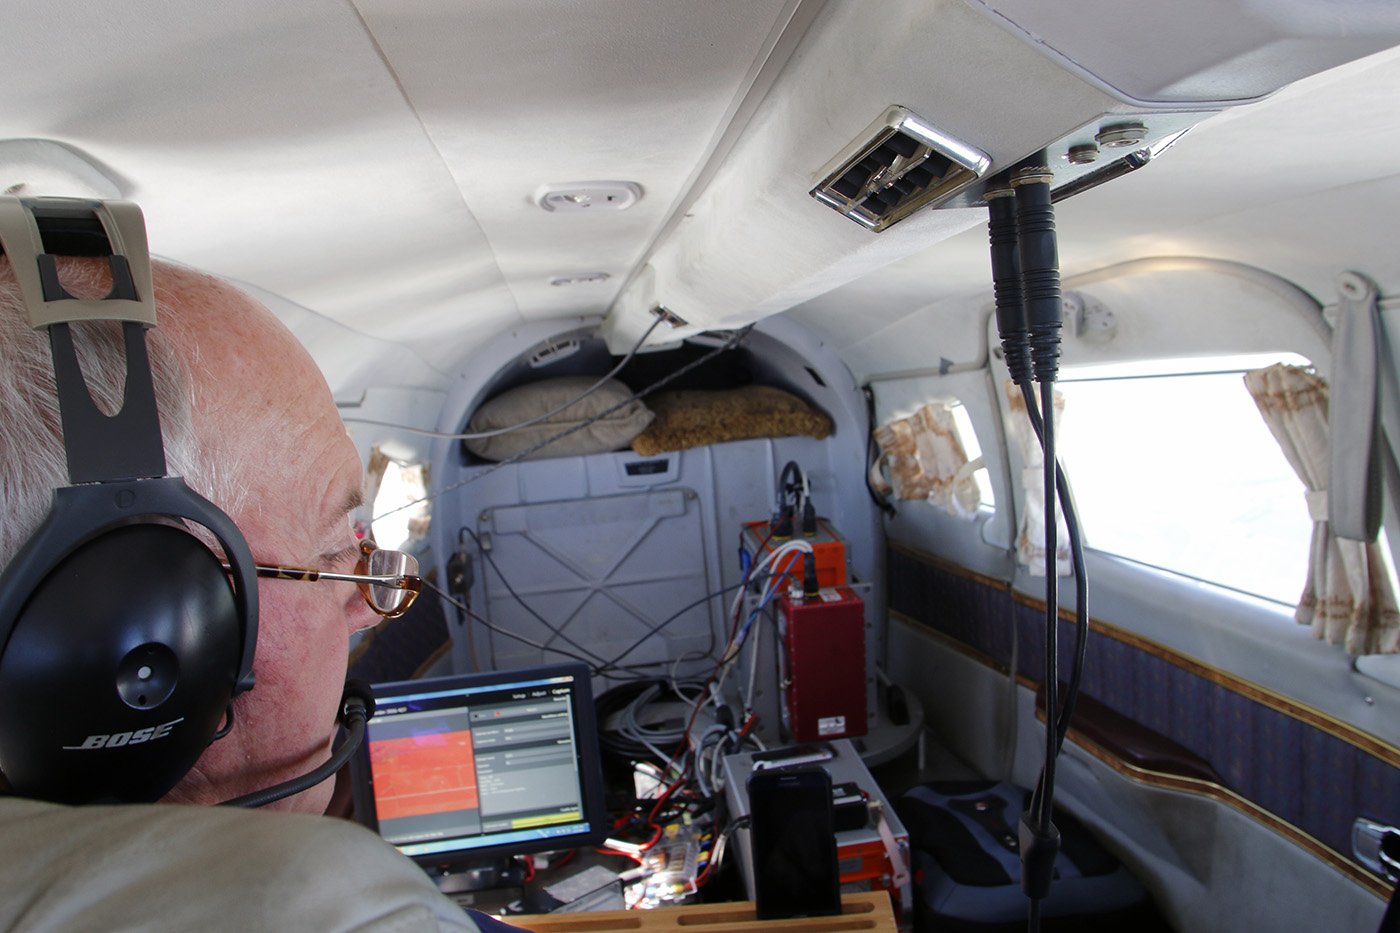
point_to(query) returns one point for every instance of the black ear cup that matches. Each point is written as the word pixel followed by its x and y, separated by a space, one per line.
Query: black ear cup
pixel 123 636
pixel 119 668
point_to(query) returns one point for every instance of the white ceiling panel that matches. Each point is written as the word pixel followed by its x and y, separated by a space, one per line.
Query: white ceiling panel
pixel 518 95
pixel 265 141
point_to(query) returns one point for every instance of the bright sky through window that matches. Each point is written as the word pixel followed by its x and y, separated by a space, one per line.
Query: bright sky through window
pixel 974 450
pixel 1180 471
pixel 403 483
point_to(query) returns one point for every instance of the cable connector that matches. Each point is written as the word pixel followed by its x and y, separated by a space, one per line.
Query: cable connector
pixel 1038 853
pixel 811 589
pixel 809 518
pixel 1040 268
pixel 460 575
pixel 780 528
pixel 788 489
pixel 1006 282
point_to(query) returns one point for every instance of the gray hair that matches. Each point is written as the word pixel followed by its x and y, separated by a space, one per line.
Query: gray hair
pixel 32 457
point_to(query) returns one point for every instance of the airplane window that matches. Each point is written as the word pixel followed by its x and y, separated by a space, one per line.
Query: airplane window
pixel 400 515
pixel 1173 466
pixel 933 454
pixel 968 436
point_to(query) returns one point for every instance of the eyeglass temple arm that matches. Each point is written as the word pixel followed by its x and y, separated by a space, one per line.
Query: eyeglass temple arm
pixel 400 581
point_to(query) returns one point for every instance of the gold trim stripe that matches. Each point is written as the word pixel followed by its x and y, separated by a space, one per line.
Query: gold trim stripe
pixel 940 563
pixel 1373 883
pixel 953 644
pixel 1324 722
pixel 1217 792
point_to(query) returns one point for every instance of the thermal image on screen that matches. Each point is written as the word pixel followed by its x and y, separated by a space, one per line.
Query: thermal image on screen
pixel 430 773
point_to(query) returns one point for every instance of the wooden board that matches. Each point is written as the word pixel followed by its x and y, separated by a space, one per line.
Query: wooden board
pixel 866 912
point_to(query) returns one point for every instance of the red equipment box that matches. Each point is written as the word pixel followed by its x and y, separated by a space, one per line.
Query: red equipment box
pixel 823 671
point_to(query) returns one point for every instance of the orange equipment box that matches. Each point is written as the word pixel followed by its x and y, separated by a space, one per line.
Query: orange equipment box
pixel 828 547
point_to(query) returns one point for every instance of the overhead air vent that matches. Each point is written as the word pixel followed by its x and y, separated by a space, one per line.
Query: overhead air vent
pixel 553 350
pixel 668 317
pixel 897 166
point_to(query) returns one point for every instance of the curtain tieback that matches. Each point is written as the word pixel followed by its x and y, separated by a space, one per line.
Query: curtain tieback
pixel 1317 504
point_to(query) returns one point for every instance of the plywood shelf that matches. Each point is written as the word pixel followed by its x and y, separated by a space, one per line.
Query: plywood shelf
pixel 866 912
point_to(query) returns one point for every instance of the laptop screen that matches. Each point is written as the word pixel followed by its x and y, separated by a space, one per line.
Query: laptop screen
pixel 457 769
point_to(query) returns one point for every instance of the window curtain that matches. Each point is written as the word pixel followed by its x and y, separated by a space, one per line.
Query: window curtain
pixel 1030 538
pixel 1347 598
pixel 926 459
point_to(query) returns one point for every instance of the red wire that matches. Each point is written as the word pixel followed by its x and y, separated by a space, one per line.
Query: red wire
pixel 748 724
pixel 656 836
pixel 619 853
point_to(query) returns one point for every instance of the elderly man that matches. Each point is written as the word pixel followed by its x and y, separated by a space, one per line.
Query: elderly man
pixel 249 422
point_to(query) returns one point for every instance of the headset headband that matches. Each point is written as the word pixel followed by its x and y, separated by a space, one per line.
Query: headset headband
pixel 122 454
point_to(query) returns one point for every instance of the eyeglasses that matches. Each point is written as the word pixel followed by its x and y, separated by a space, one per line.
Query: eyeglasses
pixel 388 579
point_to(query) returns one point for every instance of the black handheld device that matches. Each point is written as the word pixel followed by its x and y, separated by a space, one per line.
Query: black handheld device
pixel 792 826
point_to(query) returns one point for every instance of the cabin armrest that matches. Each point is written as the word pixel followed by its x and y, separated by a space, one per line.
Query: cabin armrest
pixel 1130 741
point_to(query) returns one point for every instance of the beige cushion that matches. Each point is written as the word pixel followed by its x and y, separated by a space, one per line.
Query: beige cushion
pixel 525 402
pixel 693 417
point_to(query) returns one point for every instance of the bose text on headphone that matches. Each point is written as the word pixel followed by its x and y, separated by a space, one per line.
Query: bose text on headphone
pixel 122 639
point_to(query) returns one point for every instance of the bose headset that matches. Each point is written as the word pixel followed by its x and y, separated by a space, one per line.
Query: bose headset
pixel 123 640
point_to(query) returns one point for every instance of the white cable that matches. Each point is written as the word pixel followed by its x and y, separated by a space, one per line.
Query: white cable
pixel 731 651
pixel 785 548
pixel 753 671
pixel 724 673
pixel 676 685
pixel 631 727
pixel 716 728
pixel 699 755
pixel 524 424
pixel 476 475
pixel 716 766
pixel 658 752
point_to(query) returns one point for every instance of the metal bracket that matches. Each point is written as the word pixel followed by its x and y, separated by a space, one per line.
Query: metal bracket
pixel 1377 847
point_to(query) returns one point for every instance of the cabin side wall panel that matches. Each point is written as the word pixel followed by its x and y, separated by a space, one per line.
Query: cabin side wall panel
pixel 1201 777
pixel 1211 867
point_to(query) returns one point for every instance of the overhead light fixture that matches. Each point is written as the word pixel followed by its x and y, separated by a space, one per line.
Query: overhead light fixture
pixel 588 196
pixel 897 166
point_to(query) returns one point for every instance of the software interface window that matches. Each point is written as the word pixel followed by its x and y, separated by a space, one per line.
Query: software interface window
pixel 499 764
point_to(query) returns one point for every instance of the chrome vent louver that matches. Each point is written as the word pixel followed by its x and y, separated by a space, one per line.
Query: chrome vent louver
pixel 897 166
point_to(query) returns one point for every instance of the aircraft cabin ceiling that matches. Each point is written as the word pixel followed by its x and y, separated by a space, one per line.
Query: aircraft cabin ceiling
pixel 383 163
